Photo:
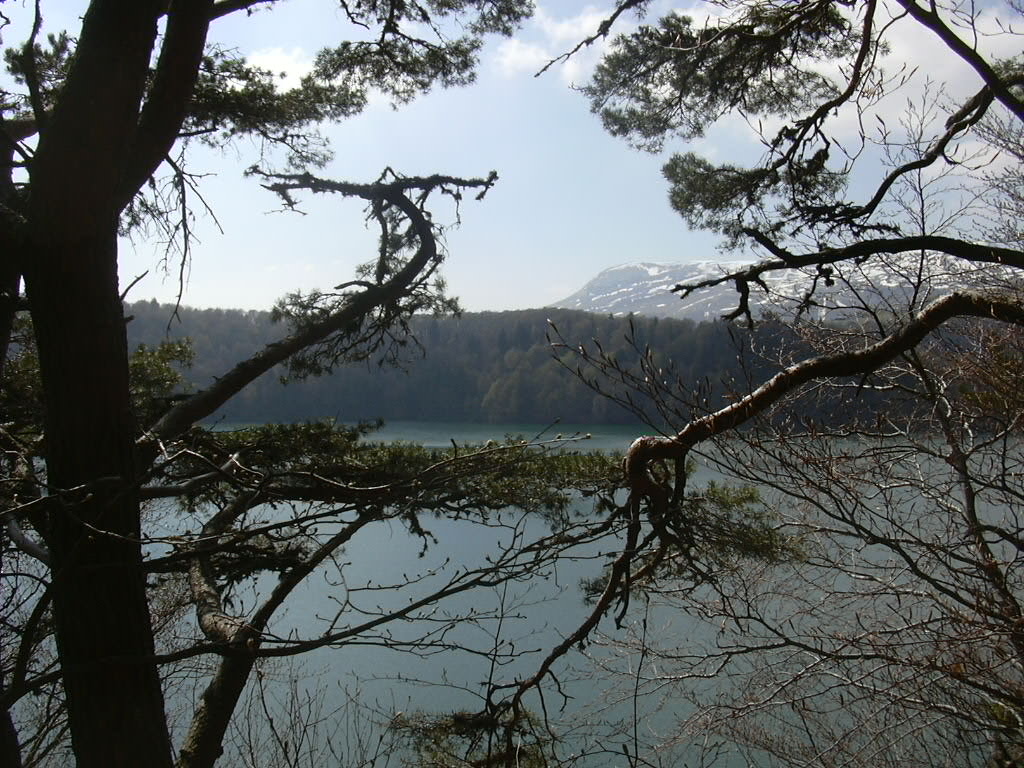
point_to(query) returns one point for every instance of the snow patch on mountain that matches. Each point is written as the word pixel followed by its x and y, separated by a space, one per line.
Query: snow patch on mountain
pixel 645 288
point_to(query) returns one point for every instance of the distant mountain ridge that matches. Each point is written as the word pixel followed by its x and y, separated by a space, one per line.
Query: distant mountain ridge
pixel 644 288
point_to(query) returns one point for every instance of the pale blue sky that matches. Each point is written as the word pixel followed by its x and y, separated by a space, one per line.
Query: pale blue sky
pixel 570 202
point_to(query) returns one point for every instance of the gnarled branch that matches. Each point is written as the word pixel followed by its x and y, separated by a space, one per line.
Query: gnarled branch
pixel 646 450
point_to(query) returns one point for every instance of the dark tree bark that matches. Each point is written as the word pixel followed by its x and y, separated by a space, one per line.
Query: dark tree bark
pixel 102 624
pixel 114 121
pixel 10 752
pixel 11 231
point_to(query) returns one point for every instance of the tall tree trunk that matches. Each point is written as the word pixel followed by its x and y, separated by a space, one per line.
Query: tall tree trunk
pixel 103 630
pixel 10 284
pixel 102 625
pixel 10 752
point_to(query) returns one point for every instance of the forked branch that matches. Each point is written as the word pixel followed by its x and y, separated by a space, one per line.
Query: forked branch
pixel 857 253
pixel 407 195
pixel 644 451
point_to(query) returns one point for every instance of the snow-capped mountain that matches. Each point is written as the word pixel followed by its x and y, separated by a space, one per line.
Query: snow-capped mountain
pixel 645 288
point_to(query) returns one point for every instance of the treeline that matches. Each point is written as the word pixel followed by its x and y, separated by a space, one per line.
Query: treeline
pixel 487 367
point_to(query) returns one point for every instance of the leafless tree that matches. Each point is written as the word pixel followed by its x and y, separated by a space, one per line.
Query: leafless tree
pixel 885 444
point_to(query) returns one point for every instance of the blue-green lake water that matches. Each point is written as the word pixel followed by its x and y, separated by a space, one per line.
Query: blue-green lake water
pixel 452 671
pixel 602 437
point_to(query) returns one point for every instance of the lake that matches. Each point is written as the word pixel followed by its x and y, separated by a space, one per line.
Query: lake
pixel 603 437
pixel 452 671
pixel 429 664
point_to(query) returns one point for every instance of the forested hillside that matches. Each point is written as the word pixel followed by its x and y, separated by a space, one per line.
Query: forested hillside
pixel 489 366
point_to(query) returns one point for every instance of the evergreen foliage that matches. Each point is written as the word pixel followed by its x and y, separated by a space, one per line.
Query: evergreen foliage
pixel 496 367
pixel 889 632
pixel 95 135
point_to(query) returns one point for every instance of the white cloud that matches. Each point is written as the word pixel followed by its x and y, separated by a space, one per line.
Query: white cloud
pixel 289 65
pixel 515 57
pixel 572 29
pixel 547 37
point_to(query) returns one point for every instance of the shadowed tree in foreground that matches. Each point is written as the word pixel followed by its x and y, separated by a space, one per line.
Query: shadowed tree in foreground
pixel 98 116
pixel 896 636
pixel 122 514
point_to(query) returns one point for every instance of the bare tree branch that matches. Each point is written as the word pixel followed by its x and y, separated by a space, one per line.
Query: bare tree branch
pixel 646 450
pixel 999 86
pixel 358 306
pixel 856 252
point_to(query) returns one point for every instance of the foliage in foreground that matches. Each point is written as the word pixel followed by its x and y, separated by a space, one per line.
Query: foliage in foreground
pixel 894 638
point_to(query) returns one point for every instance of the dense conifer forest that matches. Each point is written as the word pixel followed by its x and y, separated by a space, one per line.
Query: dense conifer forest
pixel 496 367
